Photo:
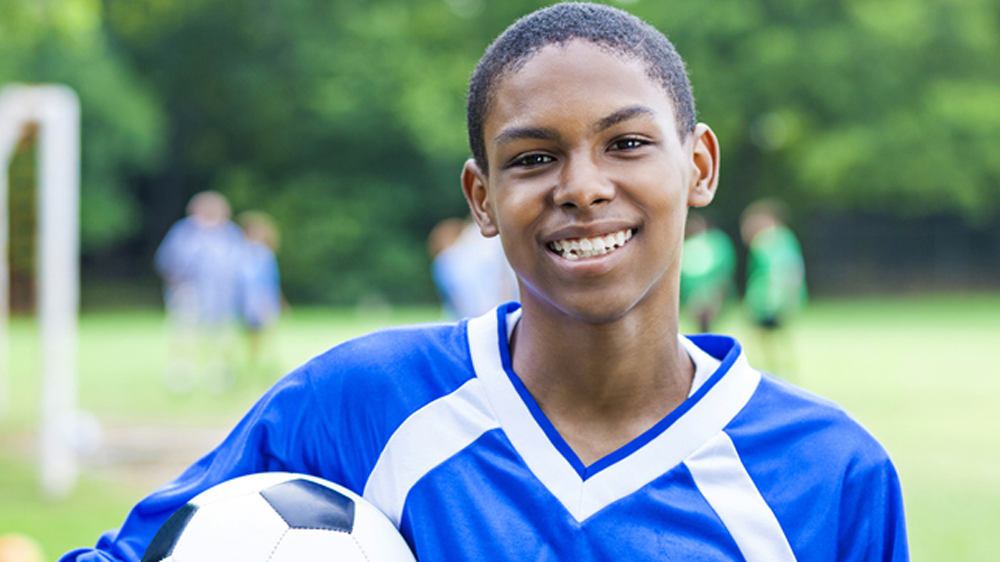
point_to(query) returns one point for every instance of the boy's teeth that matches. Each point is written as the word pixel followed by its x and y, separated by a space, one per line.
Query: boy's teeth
pixel 580 248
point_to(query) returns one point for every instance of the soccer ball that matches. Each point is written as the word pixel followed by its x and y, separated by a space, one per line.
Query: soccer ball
pixel 278 517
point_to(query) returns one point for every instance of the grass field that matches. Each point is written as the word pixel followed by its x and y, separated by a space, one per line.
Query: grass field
pixel 917 371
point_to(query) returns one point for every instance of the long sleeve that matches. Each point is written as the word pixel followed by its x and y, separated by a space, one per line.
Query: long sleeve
pixel 872 525
pixel 269 438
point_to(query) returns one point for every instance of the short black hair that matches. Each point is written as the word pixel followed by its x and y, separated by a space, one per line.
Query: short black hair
pixel 617 31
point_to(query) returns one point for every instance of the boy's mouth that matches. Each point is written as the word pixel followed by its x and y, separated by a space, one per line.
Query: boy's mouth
pixel 582 248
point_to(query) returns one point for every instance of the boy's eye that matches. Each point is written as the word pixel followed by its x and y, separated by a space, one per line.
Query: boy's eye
pixel 532 160
pixel 627 144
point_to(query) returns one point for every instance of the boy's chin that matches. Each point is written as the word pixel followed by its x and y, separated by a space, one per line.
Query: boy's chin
pixel 603 307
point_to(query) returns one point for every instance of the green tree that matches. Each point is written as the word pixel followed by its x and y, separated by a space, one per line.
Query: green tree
pixel 345 119
pixel 63 41
pixel 891 106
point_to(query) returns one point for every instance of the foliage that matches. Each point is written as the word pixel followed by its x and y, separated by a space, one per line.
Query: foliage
pixel 345 119
pixel 851 104
pixel 306 111
pixel 63 41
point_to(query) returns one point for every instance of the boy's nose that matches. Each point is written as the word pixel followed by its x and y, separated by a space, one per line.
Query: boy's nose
pixel 582 185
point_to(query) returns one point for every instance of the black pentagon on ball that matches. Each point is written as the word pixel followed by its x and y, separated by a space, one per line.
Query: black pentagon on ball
pixel 165 539
pixel 304 504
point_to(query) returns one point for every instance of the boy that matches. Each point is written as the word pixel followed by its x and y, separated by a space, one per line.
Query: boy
pixel 578 426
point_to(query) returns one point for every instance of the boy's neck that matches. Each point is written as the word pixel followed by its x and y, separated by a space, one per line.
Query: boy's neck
pixel 602 384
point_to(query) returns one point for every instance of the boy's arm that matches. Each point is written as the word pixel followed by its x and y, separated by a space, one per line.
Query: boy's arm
pixel 872 523
pixel 267 439
pixel 105 551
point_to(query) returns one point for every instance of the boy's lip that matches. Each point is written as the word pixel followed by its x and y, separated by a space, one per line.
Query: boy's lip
pixel 589 230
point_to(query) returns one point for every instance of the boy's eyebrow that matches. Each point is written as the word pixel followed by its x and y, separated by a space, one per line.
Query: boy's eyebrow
pixel 624 115
pixel 545 133
pixel 517 133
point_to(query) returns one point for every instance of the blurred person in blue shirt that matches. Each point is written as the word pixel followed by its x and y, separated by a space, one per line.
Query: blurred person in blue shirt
pixel 199 262
pixel 470 271
pixel 259 287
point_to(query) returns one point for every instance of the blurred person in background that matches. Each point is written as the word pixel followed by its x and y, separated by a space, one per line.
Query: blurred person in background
pixel 708 269
pixel 199 262
pixel 776 281
pixel 260 289
pixel 20 548
pixel 470 271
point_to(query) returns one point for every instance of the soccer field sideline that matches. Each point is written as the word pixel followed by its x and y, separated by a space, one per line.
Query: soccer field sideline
pixel 915 371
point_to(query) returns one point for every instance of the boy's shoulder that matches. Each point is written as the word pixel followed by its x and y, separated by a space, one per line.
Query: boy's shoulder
pixel 806 425
pixel 420 358
pixel 407 343
pixel 783 420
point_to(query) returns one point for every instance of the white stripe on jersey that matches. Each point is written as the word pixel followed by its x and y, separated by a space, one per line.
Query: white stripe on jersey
pixel 527 437
pixel 724 482
pixel 583 498
pixel 427 438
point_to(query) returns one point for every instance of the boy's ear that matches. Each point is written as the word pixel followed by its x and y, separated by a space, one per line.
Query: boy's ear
pixel 705 166
pixel 474 185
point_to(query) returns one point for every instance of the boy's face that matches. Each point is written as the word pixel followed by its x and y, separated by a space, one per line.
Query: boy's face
pixel 584 153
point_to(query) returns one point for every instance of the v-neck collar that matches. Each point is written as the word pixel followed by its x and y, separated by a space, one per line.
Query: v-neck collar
pixel 584 490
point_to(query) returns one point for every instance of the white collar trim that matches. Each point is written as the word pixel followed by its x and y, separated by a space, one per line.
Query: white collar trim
pixel 585 497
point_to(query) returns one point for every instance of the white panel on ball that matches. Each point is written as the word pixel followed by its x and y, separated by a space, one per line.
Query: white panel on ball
pixel 243 528
pixel 304 544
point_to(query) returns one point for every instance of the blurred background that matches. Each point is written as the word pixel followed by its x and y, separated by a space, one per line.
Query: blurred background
pixel 876 122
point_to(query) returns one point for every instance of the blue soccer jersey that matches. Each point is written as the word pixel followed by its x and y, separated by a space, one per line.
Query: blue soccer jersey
pixel 431 425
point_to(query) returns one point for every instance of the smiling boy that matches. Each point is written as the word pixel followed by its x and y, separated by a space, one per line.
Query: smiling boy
pixel 582 149
pixel 578 426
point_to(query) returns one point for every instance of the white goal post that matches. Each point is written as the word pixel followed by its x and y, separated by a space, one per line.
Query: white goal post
pixel 56 111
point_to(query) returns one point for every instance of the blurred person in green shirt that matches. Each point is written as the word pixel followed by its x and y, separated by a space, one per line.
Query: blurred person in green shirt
pixel 708 269
pixel 776 282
